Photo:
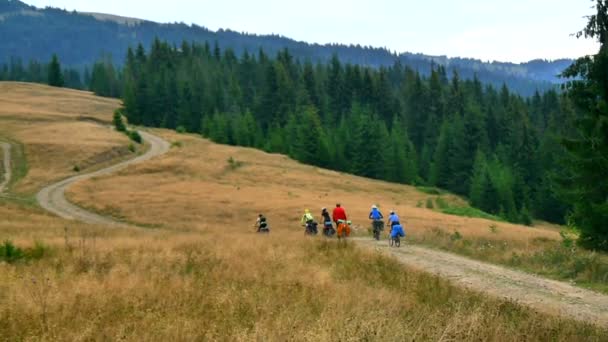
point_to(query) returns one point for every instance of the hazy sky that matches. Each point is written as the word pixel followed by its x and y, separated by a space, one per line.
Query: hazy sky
pixel 504 30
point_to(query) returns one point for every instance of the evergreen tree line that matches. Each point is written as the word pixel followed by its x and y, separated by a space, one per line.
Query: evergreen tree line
pixel 491 145
pixel 102 78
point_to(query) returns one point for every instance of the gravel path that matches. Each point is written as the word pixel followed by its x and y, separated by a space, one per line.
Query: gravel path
pixel 543 294
pixel 52 197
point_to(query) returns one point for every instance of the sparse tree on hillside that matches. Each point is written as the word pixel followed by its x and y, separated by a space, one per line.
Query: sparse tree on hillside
pixel 55 77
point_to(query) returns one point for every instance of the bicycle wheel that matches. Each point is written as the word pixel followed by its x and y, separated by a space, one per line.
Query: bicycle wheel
pixel 397 241
pixel 391 241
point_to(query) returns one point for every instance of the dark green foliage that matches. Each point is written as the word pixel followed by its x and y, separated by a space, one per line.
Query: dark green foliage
pixel 10 253
pixel 55 77
pixel 118 123
pixel 584 182
pixel 388 123
pixel 134 135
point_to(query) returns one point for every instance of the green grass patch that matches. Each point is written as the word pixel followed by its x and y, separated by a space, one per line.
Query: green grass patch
pixel 470 212
pixel 430 190
pixel 19 165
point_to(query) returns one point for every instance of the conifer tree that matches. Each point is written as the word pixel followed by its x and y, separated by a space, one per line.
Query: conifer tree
pixel 55 77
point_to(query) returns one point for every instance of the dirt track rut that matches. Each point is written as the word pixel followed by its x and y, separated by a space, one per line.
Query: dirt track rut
pixel 52 197
pixel 545 295
pixel 6 162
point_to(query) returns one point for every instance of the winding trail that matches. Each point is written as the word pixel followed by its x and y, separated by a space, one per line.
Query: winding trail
pixel 52 197
pixel 549 296
pixel 6 162
pixel 542 294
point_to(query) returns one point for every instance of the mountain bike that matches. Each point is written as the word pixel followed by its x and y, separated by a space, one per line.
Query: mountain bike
pixel 394 241
pixel 310 228
pixel 343 229
pixel 377 227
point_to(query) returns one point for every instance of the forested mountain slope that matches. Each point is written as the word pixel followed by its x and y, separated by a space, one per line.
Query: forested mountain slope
pixel 79 39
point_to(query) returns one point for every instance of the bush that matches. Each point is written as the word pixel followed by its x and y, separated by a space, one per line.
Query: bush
pixel 118 123
pixel 10 253
pixel 180 129
pixel 134 135
pixel 132 148
pixel 456 236
pixel 429 203
pixel 76 168
pixel 441 203
pixel 234 164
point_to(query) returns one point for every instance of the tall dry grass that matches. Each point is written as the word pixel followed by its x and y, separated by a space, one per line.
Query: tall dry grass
pixel 59 130
pixel 232 286
pixel 202 274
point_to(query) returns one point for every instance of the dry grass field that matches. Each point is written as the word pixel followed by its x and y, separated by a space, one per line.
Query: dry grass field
pixel 57 131
pixel 199 272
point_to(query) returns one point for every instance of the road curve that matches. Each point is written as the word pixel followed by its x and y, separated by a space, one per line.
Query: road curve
pixel 52 197
pixel 6 148
pixel 546 295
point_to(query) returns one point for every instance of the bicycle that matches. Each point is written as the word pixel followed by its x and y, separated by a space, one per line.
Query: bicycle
pixel 395 236
pixel 377 227
pixel 394 241
pixel 343 229
pixel 310 228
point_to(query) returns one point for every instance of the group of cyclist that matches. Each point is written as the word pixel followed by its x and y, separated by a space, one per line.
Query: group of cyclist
pixel 339 218
pixel 396 229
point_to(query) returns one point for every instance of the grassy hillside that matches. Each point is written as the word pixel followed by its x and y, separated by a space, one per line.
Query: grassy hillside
pixel 200 272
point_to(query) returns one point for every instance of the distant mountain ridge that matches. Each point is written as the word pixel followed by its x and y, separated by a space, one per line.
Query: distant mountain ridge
pixel 81 38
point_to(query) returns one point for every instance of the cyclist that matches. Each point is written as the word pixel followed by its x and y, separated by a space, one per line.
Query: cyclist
pixel 328 228
pixel 393 219
pixel 308 221
pixel 338 214
pixel 262 224
pixel 376 216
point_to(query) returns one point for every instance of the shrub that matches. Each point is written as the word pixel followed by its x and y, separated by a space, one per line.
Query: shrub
pixel 234 164
pixel 132 148
pixel 177 144
pixel 441 203
pixel 118 123
pixel 76 168
pixel 180 129
pixel 456 236
pixel 429 203
pixel 134 135
pixel 10 253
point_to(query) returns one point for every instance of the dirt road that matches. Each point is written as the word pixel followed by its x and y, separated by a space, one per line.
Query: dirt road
pixel 545 295
pixel 6 162
pixel 52 197
pixel 542 294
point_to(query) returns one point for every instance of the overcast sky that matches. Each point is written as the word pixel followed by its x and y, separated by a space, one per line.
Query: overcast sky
pixel 504 30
